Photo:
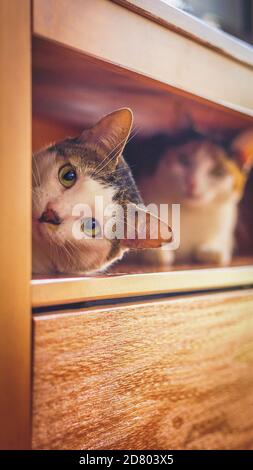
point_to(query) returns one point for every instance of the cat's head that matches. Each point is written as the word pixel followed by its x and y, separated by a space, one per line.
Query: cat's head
pixel 201 170
pixel 74 181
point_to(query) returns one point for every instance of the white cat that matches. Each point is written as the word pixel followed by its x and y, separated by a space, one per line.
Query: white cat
pixel 208 181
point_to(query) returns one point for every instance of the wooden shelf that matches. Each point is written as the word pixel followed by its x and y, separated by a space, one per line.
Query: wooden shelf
pixel 135 281
pixel 117 35
pixel 192 27
pixel 71 91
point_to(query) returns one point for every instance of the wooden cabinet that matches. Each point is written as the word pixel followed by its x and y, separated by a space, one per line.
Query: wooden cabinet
pixel 135 358
pixel 175 373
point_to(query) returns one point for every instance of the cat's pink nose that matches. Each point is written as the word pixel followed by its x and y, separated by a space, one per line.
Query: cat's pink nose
pixel 49 216
pixel 191 188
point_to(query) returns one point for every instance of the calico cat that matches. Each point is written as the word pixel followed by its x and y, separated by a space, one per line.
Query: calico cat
pixel 207 179
pixel 77 171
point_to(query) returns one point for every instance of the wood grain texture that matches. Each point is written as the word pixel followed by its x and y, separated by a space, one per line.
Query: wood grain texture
pixel 108 31
pixel 15 234
pixel 173 374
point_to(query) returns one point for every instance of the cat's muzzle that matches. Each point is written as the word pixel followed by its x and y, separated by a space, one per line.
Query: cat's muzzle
pixel 49 216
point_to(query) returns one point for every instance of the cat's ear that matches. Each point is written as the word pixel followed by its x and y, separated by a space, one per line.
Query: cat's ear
pixel 242 149
pixel 144 229
pixel 109 136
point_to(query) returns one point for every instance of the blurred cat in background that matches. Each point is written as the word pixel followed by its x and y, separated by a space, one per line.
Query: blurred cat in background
pixel 207 178
pixel 76 171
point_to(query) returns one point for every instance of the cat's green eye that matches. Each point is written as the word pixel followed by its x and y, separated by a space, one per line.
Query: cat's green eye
pixel 67 176
pixel 91 227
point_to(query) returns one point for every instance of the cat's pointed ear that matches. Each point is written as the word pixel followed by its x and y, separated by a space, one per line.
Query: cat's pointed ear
pixel 242 149
pixel 144 229
pixel 109 136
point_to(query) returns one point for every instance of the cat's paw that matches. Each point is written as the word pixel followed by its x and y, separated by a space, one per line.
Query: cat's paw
pixel 212 255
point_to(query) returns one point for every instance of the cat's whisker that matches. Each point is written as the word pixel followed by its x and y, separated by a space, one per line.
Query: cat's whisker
pixel 68 256
pixel 122 169
pixel 97 169
pixel 72 253
pixel 107 163
pixel 35 176
pixel 72 249
pixel 75 248
pixel 51 249
pixel 37 170
pixel 107 156
pixel 116 171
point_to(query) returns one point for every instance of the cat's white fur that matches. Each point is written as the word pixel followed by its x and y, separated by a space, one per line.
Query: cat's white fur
pixel 95 157
pixel 209 204
pixel 47 256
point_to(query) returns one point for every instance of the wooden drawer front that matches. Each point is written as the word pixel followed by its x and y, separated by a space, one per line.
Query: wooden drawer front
pixel 167 374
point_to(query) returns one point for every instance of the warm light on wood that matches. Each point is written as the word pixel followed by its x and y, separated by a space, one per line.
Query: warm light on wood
pixel 15 235
pixel 161 375
pixel 108 31
pixel 62 290
pixel 192 27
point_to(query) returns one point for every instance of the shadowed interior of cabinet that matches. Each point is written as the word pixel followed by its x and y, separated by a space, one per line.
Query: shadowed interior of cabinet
pixel 71 92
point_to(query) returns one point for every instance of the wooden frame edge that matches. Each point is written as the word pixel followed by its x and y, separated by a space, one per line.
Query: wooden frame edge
pixel 15 237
